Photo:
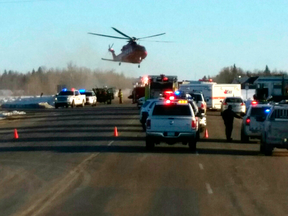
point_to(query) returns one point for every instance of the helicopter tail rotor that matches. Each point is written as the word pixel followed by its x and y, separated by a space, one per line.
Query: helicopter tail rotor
pixel 110 48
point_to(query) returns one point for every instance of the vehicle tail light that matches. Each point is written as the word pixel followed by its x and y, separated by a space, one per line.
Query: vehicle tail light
pixel 254 102
pixel 168 101
pixel 202 105
pixel 194 123
pixel 247 121
pixel 224 103
pixel 148 124
pixel 242 104
pixel 171 98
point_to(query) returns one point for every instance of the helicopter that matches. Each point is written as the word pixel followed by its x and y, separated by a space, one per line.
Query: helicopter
pixel 131 52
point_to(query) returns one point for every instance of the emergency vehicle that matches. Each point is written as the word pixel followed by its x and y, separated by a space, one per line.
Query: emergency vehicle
pixel 156 85
pixel 213 93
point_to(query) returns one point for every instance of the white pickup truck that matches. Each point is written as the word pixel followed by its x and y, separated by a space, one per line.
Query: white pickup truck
pixel 67 98
pixel 275 131
pixel 171 122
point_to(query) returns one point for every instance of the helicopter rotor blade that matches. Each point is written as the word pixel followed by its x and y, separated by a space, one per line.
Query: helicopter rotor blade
pixel 159 41
pixel 107 36
pixel 122 33
pixel 151 36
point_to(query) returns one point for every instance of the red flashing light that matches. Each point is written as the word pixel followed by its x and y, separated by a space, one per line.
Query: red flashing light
pixel 72 89
pixel 254 102
pixel 168 92
pixel 171 98
pixel 168 101
pixel 165 78
pixel 210 80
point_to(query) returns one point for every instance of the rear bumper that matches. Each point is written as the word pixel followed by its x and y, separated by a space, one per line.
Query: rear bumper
pixel 277 143
pixel 165 137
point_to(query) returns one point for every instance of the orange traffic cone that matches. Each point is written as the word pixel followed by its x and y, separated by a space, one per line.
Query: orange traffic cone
pixel 115 132
pixel 206 133
pixel 15 134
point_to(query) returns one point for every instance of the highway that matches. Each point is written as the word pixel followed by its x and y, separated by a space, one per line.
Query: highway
pixel 68 162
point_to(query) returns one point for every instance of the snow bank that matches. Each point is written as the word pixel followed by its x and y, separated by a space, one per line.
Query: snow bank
pixel 27 102
pixel 4 115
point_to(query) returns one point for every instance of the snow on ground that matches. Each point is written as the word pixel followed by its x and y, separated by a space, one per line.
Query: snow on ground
pixel 27 102
pixel 4 115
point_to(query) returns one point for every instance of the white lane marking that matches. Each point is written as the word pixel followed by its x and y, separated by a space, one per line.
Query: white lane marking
pixel 209 189
pixel 201 166
pixel 109 144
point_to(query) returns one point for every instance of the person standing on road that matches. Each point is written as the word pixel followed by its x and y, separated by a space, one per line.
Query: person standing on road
pixel 228 116
pixel 120 96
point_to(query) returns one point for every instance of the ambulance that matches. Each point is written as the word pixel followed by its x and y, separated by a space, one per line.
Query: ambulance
pixel 213 93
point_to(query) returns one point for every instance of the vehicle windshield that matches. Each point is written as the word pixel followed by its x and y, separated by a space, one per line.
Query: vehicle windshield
pixel 234 100
pixel 66 93
pixel 171 109
pixel 259 111
pixel 196 97
pixel 87 93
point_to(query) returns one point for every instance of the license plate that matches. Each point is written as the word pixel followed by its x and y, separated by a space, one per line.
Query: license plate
pixel 170 134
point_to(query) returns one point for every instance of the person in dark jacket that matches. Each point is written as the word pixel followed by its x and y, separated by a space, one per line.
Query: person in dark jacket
pixel 228 116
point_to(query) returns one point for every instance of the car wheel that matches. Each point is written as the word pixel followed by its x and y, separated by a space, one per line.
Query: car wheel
pixel 149 144
pixel 244 137
pixel 192 145
pixel 267 150
pixel 56 106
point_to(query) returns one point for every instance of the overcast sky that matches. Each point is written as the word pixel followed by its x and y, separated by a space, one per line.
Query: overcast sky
pixel 208 35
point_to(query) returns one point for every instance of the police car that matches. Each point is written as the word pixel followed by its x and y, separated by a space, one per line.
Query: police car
pixel 171 121
pixel 252 123
pixel 145 109
pixel 91 98
pixel 275 129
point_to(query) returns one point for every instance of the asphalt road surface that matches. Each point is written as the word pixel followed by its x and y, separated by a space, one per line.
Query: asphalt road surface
pixel 68 162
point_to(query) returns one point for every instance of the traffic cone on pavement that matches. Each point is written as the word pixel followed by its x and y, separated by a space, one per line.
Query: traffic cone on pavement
pixel 115 132
pixel 15 134
pixel 206 133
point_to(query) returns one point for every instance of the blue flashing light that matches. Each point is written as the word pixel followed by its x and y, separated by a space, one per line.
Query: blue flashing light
pixel 65 89
pixel 177 92
pixel 267 110
pixel 82 90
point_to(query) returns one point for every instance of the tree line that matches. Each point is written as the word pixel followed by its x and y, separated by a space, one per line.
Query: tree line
pixel 46 81
pixel 228 74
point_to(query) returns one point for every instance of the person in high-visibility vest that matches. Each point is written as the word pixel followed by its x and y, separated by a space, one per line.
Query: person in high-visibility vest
pixel 120 96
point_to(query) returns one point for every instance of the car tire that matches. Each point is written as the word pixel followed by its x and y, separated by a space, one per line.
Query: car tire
pixel 244 137
pixel 56 106
pixel 192 145
pixel 149 144
pixel 267 150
